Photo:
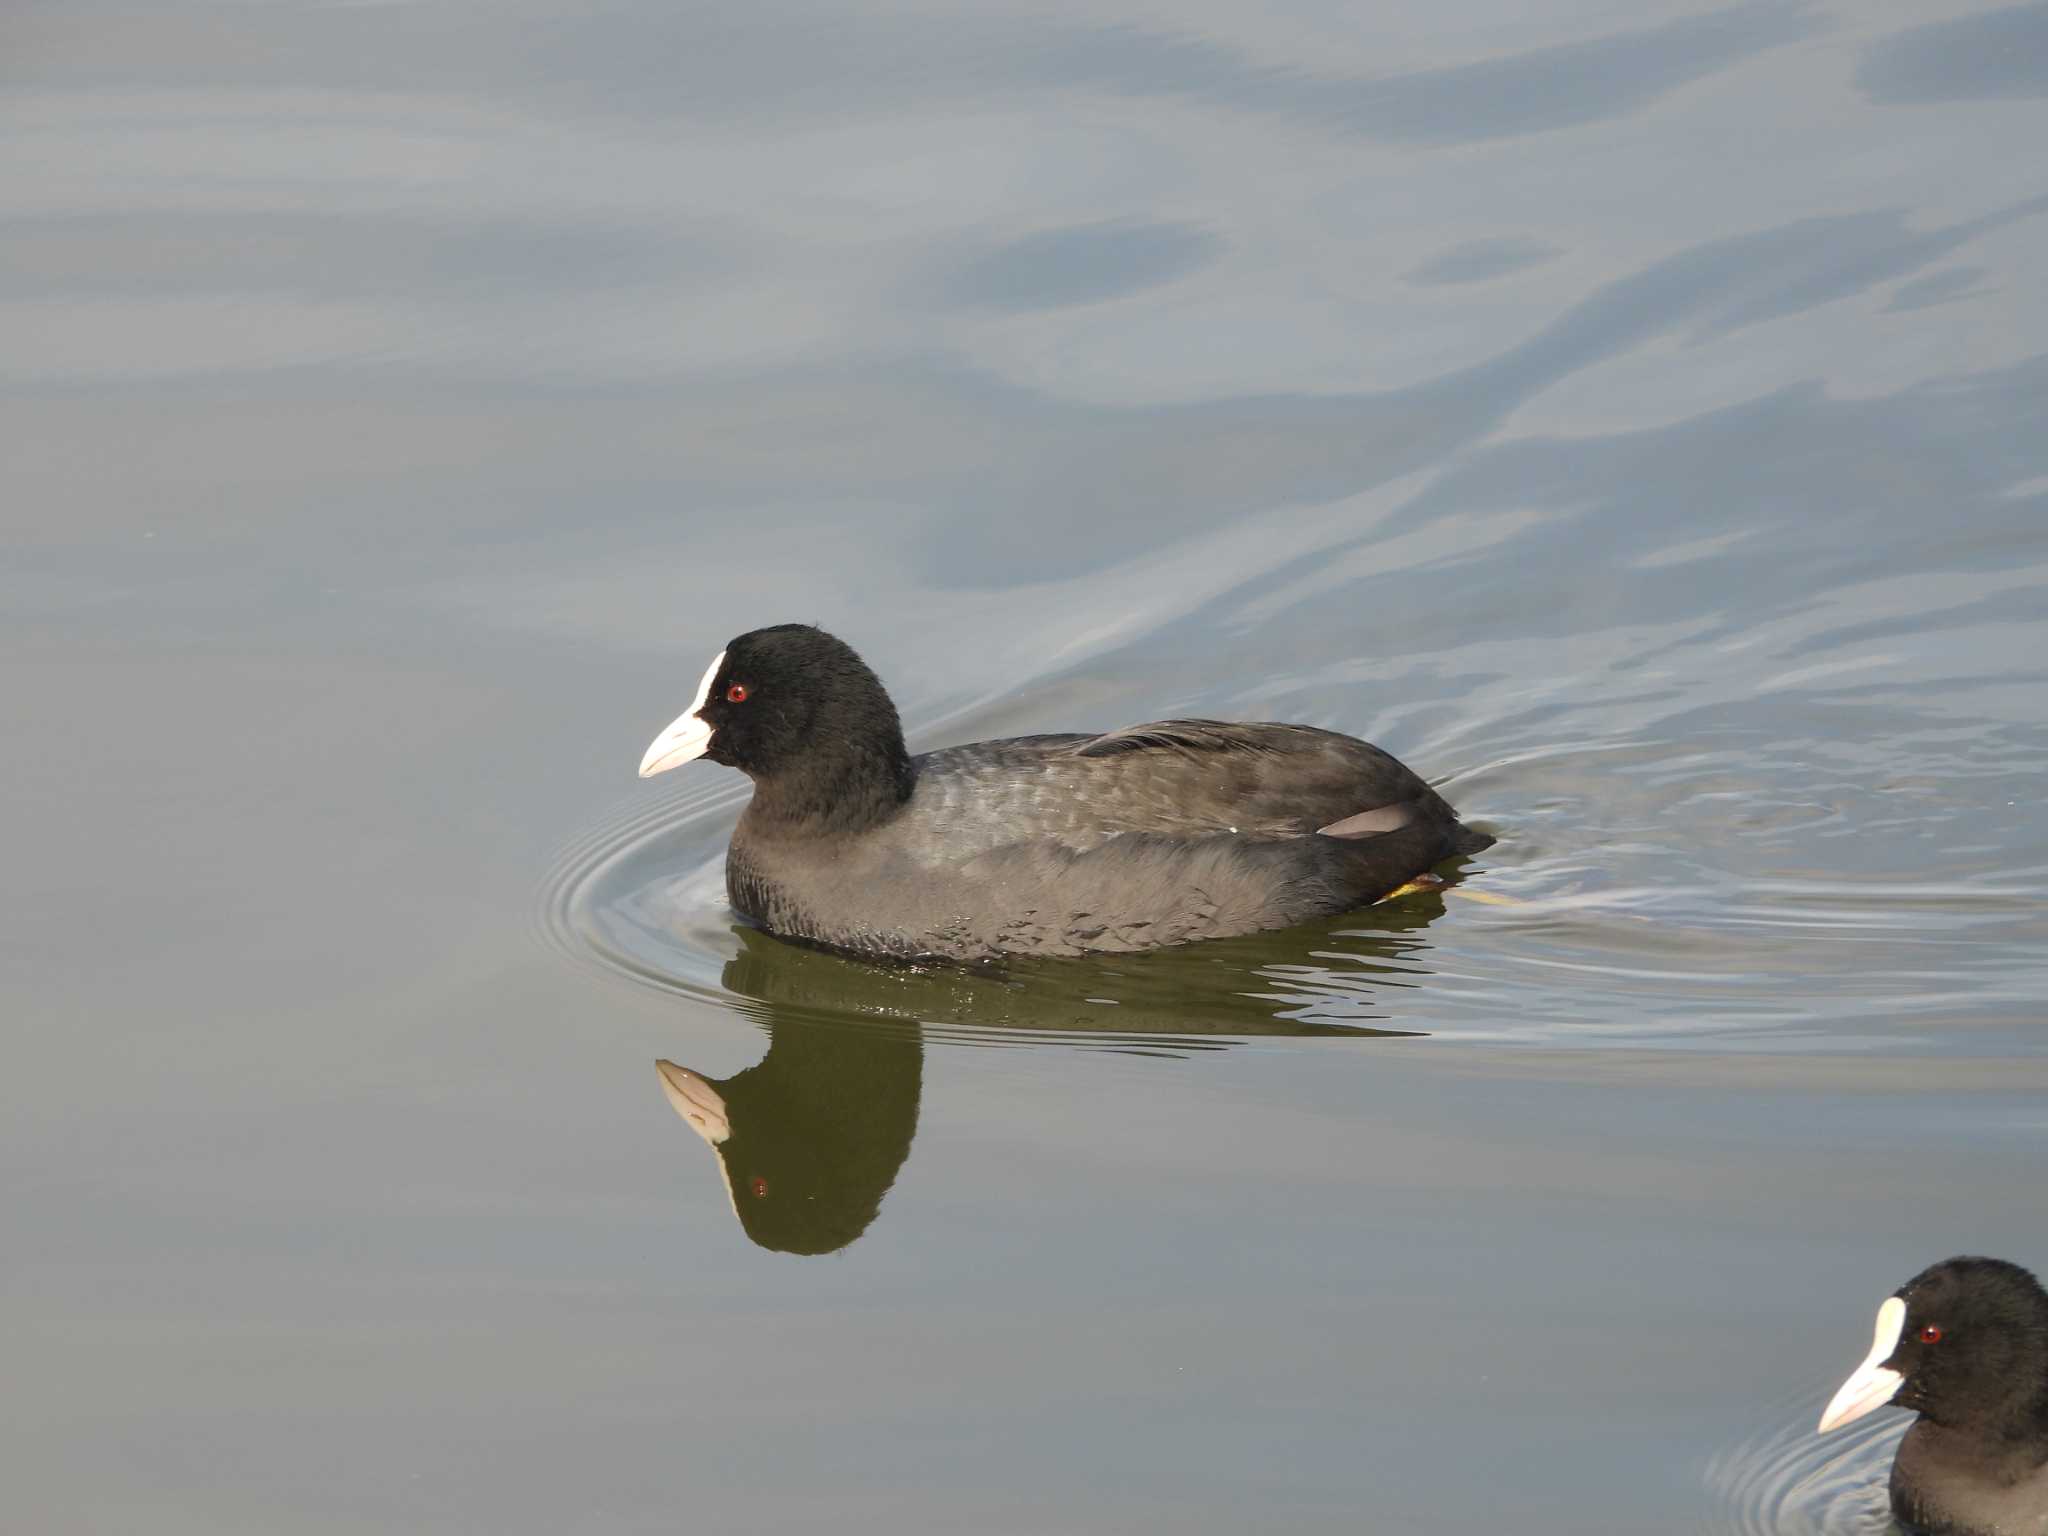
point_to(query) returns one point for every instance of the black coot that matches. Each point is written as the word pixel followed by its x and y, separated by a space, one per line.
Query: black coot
pixel 1052 845
pixel 1965 1345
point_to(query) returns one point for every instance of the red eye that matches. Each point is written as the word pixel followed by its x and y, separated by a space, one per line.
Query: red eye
pixel 736 694
pixel 1931 1334
pixel 760 1188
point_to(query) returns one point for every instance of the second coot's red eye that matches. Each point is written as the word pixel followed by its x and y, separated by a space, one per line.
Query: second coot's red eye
pixel 1931 1334
pixel 736 694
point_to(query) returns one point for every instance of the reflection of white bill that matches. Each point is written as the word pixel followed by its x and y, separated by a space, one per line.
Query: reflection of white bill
pixel 693 1097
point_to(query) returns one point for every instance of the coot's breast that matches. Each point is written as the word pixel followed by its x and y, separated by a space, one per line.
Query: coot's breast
pixel 1942 1481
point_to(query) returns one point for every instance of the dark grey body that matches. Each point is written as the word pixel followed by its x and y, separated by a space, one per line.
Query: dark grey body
pixel 1063 845
pixel 1944 1482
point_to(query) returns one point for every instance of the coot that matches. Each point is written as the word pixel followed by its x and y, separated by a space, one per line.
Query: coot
pixel 1965 1345
pixel 1051 845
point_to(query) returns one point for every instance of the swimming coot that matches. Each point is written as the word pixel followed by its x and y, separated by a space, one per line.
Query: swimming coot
pixel 1965 1345
pixel 1052 845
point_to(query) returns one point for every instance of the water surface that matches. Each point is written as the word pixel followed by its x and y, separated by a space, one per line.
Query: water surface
pixel 1631 417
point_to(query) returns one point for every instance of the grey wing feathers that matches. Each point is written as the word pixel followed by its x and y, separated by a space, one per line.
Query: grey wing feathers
pixel 1199 736
pixel 1173 777
pixel 1266 779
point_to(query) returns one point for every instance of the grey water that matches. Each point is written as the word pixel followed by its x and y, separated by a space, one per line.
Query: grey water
pixel 1634 417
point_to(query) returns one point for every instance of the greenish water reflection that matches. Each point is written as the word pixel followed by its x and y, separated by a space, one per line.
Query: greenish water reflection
pixel 810 1138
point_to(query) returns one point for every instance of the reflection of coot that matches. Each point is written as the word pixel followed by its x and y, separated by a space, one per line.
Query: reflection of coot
pixel 810 1138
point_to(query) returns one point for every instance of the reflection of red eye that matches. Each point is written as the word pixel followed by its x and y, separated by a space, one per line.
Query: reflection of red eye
pixel 1931 1334
pixel 760 1188
pixel 736 694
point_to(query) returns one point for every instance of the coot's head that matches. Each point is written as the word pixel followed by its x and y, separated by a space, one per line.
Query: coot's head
pixel 785 702
pixel 1964 1343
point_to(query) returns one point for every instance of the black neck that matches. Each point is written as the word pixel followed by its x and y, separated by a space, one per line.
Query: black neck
pixel 854 786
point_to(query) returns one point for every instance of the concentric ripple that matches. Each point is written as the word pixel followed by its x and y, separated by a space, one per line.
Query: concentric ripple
pixel 641 892
pixel 1790 1481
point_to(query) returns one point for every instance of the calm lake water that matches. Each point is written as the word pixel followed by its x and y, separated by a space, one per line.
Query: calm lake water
pixel 1636 418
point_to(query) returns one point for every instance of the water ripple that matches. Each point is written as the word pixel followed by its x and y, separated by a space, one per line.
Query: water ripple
pixel 1790 1481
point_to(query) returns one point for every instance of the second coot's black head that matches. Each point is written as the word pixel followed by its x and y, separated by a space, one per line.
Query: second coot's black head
pixel 802 715
pixel 1964 1344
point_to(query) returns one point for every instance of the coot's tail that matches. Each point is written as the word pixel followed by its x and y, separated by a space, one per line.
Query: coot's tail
pixel 1466 839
